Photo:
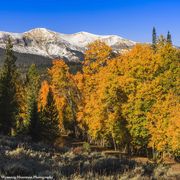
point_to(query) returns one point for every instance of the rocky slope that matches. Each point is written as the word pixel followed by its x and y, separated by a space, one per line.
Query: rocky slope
pixel 47 44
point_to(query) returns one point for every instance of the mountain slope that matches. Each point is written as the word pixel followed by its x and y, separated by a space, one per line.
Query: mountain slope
pixel 48 44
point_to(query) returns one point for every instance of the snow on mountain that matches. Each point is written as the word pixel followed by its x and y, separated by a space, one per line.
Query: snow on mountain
pixel 43 42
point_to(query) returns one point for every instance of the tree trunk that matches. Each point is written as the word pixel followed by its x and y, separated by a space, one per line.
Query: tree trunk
pixel 114 143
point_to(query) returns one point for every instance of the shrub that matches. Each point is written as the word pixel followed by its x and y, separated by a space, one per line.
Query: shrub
pixel 78 150
pixel 17 168
pixel 86 147
pixel 29 159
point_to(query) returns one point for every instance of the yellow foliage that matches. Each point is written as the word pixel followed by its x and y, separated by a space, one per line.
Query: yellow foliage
pixel 164 124
pixel 132 98
pixel 96 56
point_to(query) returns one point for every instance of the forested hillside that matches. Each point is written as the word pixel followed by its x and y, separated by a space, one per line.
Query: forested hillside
pixel 128 102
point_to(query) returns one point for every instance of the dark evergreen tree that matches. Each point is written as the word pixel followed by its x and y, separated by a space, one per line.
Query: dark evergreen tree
pixel 49 120
pixel 154 38
pixel 33 81
pixel 8 92
pixel 34 126
pixel 169 39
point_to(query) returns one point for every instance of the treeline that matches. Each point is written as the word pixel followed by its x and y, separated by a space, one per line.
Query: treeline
pixel 128 101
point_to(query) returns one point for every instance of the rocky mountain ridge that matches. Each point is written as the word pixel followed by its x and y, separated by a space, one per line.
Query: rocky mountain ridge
pixel 49 44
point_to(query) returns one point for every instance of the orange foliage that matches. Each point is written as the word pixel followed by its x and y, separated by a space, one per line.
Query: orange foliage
pixel 43 94
pixel 65 93
pixel 128 99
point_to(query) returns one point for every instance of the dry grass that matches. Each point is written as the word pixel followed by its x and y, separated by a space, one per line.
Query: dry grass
pixel 22 157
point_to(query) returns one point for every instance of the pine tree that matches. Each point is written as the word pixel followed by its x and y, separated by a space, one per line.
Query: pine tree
pixel 49 120
pixel 8 92
pixel 33 79
pixel 154 38
pixel 169 39
pixel 34 126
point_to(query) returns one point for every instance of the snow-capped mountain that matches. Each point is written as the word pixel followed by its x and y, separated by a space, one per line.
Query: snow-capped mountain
pixel 70 47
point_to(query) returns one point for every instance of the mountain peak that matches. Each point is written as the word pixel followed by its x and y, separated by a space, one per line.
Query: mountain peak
pixel 71 47
pixel 86 33
pixel 40 33
pixel 44 30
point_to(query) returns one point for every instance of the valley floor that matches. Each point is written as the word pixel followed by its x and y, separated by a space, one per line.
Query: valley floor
pixel 36 160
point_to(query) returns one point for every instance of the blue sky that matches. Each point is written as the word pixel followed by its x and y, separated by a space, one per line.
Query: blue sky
pixel 132 19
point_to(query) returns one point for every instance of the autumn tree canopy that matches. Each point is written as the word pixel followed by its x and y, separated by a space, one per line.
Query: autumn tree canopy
pixel 129 101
